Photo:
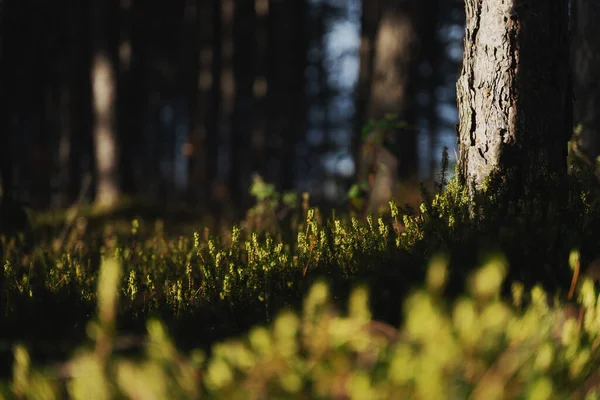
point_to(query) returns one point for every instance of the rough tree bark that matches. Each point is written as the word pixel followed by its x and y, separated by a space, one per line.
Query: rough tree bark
pixel 514 100
pixel 586 74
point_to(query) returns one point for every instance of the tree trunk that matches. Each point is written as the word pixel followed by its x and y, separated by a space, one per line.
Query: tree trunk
pixel 104 91
pixel 260 88
pixel 227 93
pixel 130 95
pixel 6 110
pixel 244 38
pixel 286 89
pixel 199 98
pixel 513 94
pixel 586 74
pixel 368 34
pixel 393 74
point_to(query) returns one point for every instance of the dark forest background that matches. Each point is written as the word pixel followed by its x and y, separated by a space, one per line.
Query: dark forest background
pixel 181 101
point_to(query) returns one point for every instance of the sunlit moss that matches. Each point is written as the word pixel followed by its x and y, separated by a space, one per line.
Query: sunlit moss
pixel 437 273
pixel 261 341
pixel 20 371
pixel 466 321
pixel 108 287
pixel 218 375
pixel 544 357
pixel 486 282
pixel 541 389
pixel 90 381
pixel 147 380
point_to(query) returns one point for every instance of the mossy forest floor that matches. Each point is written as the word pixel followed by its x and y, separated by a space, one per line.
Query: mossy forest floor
pixel 454 299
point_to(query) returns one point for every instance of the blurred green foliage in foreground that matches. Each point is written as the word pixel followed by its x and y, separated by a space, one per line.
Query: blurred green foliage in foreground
pixel 479 347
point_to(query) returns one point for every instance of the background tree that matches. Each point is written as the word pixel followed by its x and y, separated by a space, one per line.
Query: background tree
pixel 513 95
pixel 203 94
pixel 286 87
pixel 244 50
pixel 104 92
pixel 586 74
pixel 198 71
pixel 388 72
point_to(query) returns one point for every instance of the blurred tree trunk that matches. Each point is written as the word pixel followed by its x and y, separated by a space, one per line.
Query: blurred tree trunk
pixel 74 103
pixel 130 95
pixel 586 74
pixel 244 47
pixel 393 75
pixel 6 110
pixel 514 99
pixel 260 88
pixel 213 18
pixel 286 83
pixel 368 35
pixel 430 76
pixel 104 94
pixel 200 38
pixel 13 219
pixel 226 99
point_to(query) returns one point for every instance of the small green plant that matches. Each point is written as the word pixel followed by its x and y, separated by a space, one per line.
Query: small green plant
pixel 271 207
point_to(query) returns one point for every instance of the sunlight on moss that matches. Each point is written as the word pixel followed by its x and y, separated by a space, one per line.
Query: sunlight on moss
pixel 20 370
pixel 261 341
pixel 423 321
pixel 90 382
pixel 146 381
pixel 574 259
pixel 108 288
pixel 485 283
pixel 541 390
pixel 218 375
pixel 359 304
pixel 466 321
pixel 359 386
pixel 285 333
pixel 437 273
pixel 544 357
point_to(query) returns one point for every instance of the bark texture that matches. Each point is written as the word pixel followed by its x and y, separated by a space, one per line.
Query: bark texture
pixel 586 74
pixel 514 97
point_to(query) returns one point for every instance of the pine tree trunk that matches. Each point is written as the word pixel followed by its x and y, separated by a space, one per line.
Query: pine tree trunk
pixel 586 74
pixel 104 92
pixel 514 100
pixel 286 88
pixel 243 59
pixel 393 75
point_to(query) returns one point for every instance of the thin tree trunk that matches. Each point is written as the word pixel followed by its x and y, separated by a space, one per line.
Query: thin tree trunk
pixel 369 22
pixel 128 99
pixel 260 89
pixel 6 111
pixel 430 78
pixel 227 97
pixel 244 37
pixel 104 92
pixel 199 98
pixel 513 95
pixel 586 74
pixel 393 78
pixel 287 105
